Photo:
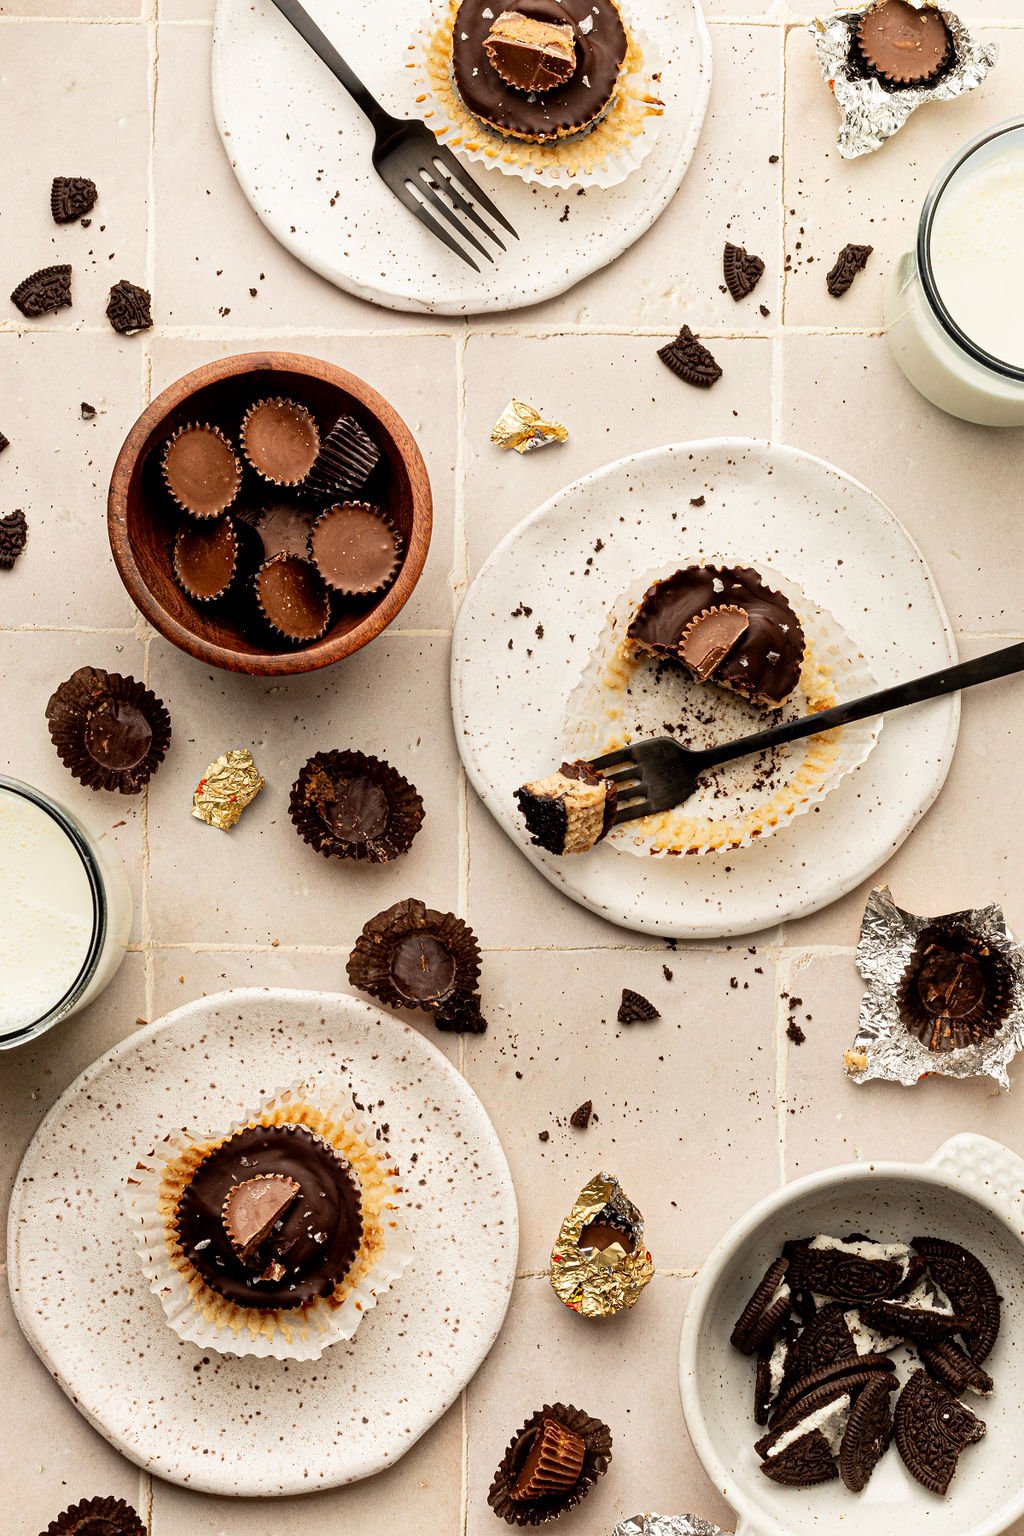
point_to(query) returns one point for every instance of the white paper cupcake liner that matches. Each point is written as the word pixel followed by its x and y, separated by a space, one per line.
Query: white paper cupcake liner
pixel 625 695
pixel 199 1314
pixel 601 156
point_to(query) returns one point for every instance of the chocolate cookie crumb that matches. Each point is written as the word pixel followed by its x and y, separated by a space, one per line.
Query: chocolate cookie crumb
pixel 795 1033
pixel 690 361
pixel 636 1009
pixel 580 1118
pixel 851 260
pixel 128 308
pixel 4 442
pixel 71 197
pixel 13 538
pixel 88 411
pixel 666 972
pixel 544 1136
pixel 696 501
pixel 741 270
pixel 43 292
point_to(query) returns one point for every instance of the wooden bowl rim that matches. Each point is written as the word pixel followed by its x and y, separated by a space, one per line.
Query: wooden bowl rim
pixel 322 653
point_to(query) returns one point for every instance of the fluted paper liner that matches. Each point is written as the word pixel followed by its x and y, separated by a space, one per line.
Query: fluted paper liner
pixel 202 1317
pixel 597 1456
pixel 601 156
pixel 739 802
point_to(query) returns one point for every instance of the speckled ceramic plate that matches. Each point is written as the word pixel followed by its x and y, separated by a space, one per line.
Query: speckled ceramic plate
pixel 301 150
pixel 568 563
pixel 238 1426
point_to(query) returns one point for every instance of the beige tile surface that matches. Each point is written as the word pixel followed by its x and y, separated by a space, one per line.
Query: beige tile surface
pixel 700 1113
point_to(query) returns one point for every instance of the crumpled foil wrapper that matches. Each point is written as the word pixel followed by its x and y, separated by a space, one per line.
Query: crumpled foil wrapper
pixel 667 1525
pixel 885 1049
pixel 592 1282
pixel 226 788
pixel 521 427
pixel 871 113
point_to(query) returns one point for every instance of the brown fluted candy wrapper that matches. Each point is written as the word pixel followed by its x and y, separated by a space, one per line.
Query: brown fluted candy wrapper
pixel 607 1274
pixel 231 782
pixel 597 1455
pixel 105 1516
pixel 347 805
pixel 110 732
pixel 872 110
pixel 666 1525
pixel 412 957
pixel 521 427
pixel 901 1037
pixel 551 1460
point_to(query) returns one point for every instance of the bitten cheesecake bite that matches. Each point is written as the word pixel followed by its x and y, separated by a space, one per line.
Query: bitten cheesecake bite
pixel 570 811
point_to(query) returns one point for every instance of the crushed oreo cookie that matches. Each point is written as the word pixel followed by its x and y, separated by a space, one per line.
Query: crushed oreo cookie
pixel 43 292
pixel 742 271
pixel 13 538
pixel 128 308
pixel 851 260
pixel 690 361
pixel 580 1118
pixel 636 1009
pixel 71 198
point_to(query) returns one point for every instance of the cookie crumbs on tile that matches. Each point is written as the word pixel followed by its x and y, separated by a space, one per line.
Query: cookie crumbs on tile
pixel 851 260
pixel 580 1118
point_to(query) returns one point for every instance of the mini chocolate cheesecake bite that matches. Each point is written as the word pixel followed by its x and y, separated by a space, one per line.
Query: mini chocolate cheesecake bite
pixel 412 957
pixel 292 598
pixel 280 440
pixel 538 70
pixel 201 471
pixel 205 557
pixel 956 990
pixel 109 731
pixel 347 805
pixel 727 627
pixel 355 549
pixel 904 45
pixel 570 811
pixel 271 1218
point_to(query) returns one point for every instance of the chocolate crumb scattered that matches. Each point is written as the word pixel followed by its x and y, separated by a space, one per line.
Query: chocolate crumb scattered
pixel 764 310
pixel 544 1136
pixel 13 538
pixel 696 501
pixel 43 292
pixel 773 159
pixel 580 1118
pixel 636 1009
pixel 565 215
pixel 667 973
pixel 128 308
pixel 690 361
pixel 741 270
pixel 71 197
pixel 88 411
pixel 795 1033
pixel 851 260
pixel 4 442
pixel 522 612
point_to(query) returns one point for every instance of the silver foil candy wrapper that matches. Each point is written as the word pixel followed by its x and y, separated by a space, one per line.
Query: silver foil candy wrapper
pixel 870 112
pixel 885 1049
pixel 666 1525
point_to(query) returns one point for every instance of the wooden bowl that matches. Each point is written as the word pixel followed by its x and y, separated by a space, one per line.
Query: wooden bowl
pixel 142 519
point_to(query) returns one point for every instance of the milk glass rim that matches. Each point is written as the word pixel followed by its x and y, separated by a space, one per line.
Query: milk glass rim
pixel 69 1001
pixel 924 263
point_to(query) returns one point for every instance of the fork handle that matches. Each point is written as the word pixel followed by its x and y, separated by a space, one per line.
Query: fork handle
pixel 967 674
pixel 325 50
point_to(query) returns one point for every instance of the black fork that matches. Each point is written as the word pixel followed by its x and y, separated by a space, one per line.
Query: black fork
pixel 421 173
pixel 658 774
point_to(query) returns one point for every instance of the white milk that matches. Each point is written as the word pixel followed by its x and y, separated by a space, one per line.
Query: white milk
pixel 967 263
pixel 49 916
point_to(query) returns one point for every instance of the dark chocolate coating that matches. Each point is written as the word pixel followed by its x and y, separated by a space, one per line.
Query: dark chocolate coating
pixel 204 557
pixel 422 968
pixel 316 1240
pixel 566 109
pixel 774 632
pixel 118 735
pixel 903 44
pixel 359 812
pixel 956 989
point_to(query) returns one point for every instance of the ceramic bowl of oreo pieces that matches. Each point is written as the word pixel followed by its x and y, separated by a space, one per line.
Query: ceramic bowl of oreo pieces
pixel 851 1357
pixel 269 513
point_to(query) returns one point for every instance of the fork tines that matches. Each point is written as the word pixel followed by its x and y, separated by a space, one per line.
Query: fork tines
pixel 443 196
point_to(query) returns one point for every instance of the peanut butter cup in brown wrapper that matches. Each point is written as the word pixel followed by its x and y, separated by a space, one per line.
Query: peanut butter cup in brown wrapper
pixel 205 558
pixel 231 782
pixel 600 1264
pixel 550 1465
pixel 356 550
pixel 280 440
pixel 292 598
pixel 412 957
pixel 201 470
pixel 110 732
pixel 347 805
pixel 956 990
pixel 97 1517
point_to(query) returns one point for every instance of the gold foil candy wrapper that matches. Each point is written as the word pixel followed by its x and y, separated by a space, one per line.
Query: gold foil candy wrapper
pixel 599 1283
pixel 885 1049
pixel 229 784
pixel 521 427
pixel 667 1525
pixel 870 112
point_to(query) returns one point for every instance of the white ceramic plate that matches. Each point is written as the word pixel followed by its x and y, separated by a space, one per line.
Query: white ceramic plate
pixel 301 150
pixel 763 502
pixel 82 1300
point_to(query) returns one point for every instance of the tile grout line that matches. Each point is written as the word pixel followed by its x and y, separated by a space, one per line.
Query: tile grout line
pixel 783 964
pixel 780 256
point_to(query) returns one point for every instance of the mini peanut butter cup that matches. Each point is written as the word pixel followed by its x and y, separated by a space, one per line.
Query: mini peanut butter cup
pixel 956 990
pixel 355 549
pixel 347 805
pixel 253 1208
pixel 97 1517
pixel 292 598
pixel 412 957
pixel 201 470
pixel 348 457
pixel 904 45
pixel 109 731
pixel 205 558
pixel 529 54
pixel 281 440
pixel 550 1465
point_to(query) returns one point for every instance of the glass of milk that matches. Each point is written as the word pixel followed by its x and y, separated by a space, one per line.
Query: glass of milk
pixel 65 914
pixel 954 310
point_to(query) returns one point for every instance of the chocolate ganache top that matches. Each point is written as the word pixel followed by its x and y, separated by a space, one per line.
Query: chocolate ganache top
pixel 601 44
pixel 765 662
pixel 307 1251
